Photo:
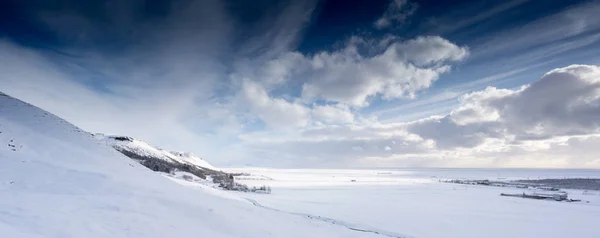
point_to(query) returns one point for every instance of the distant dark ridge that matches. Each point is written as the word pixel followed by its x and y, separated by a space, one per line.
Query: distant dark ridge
pixel 567 183
pixel 122 138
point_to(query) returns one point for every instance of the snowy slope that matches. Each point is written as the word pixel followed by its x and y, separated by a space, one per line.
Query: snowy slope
pixel 58 181
pixel 142 148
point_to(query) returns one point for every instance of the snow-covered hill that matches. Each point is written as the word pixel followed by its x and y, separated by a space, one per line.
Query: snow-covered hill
pixel 59 181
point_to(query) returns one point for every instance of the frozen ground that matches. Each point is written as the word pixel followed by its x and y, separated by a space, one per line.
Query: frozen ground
pixel 413 203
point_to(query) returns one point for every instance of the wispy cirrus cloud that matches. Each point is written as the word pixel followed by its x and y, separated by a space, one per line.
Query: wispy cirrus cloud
pixel 159 76
pixel 396 13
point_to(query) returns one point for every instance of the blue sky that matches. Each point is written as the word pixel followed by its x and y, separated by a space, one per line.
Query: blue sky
pixel 319 83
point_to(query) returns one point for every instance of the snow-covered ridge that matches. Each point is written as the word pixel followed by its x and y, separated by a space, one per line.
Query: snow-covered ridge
pixel 125 143
pixel 168 162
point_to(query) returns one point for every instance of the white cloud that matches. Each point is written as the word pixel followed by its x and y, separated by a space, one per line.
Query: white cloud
pixel 564 101
pixel 396 13
pixel 275 112
pixel 473 106
pixel 426 51
pixel 279 113
pixel 335 83
pixel 537 125
pixel 333 114
pixel 278 71
pixel 345 79
pixel 348 77
pixel 558 152
pixel 399 71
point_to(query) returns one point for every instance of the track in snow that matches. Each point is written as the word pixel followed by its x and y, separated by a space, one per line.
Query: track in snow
pixel 332 221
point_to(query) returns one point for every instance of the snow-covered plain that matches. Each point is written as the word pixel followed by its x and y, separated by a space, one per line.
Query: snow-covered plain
pixel 413 202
